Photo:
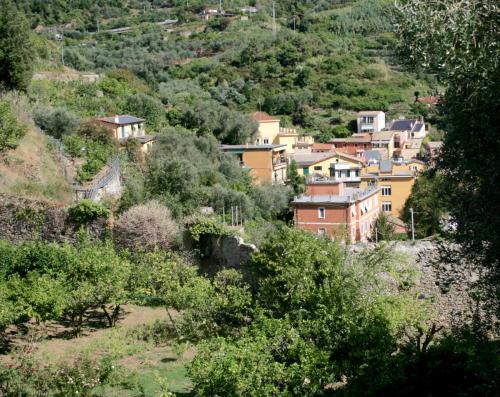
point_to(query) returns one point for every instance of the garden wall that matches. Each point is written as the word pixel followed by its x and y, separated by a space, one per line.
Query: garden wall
pixel 23 219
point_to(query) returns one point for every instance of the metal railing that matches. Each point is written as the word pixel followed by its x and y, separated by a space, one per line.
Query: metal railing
pixel 103 182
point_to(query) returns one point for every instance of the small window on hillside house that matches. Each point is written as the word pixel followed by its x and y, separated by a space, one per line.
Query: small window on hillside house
pixel 321 213
pixel 321 231
pixel 266 141
pixel 305 170
pixel 318 168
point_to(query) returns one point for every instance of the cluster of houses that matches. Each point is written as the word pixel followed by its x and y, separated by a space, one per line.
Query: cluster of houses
pixel 349 181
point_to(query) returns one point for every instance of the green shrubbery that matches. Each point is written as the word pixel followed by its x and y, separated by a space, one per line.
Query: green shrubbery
pixel 11 130
pixel 86 211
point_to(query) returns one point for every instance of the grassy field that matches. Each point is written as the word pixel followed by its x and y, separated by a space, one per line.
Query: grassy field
pixel 143 366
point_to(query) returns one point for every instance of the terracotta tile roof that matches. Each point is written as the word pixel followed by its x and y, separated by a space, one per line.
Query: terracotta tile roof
pixel 263 116
pixel 430 100
pixel 322 146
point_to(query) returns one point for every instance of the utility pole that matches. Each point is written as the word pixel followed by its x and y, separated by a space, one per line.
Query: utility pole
pixel 412 225
pixel 274 19
pixel 376 235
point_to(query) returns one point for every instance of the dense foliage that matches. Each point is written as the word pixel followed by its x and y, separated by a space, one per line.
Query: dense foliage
pixel 461 46
pixel 11 130
pixel 16 48
pixel 316 320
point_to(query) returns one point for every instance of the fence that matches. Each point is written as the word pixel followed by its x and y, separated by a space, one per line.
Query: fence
pixel 93 193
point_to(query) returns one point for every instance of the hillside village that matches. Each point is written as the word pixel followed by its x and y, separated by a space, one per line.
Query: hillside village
pixel 249 198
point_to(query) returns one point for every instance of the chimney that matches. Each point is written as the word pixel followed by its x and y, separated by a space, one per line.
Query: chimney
pixel 117 119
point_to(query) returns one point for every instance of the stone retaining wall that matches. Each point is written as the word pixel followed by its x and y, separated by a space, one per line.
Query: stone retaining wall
pixel 24 219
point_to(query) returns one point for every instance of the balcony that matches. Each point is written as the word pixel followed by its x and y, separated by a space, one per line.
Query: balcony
pixel 279 161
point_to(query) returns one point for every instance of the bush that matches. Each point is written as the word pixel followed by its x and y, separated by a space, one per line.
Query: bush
pixel 86 211
pixel 56 122
pixel 11 131
pixel 146 227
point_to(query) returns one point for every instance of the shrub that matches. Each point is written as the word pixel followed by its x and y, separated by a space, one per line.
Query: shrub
pixel 146 227
pixel 11 131
pixel 56 122
pixel 86 211
pixel 202 230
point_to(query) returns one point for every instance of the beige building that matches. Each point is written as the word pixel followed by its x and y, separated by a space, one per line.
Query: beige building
pixel 383 142
pixel 337 165
pixel 270 133
pixel 126 127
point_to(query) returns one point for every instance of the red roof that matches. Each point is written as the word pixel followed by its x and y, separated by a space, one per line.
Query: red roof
pixel 430 100
pixel 263 116
pixel 322 146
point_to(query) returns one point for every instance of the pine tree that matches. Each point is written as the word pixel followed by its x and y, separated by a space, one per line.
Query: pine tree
pixel 16 49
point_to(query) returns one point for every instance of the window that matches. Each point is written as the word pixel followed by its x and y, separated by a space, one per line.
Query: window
pixel 266 141
pixel 318 168
pixel 321 213
pixel 386 206
pixel 386 190
pixel 123 132
pixel 258 141
pixel 321 231
pixel 305 170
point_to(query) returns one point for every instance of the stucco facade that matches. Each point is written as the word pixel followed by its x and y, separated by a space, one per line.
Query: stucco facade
pixel 331 209
pixel 266 163
pixel 395 183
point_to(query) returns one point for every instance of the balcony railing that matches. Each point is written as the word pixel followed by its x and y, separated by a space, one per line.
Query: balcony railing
pixel 279 161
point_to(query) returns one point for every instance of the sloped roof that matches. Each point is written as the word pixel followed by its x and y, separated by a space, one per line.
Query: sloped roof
pixel 382 136
pixel 322 146
pixel 403 124
pixel 430 100
pixel 123 119
pixel 263 117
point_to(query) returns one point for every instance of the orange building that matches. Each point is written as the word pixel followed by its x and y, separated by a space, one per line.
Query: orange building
pixel 266 163
pixel 330 208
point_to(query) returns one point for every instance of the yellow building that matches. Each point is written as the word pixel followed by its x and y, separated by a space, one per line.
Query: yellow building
pixel 338 165
pixel 266 163
pixel 125 127
pixel 395 182
pixel 270 133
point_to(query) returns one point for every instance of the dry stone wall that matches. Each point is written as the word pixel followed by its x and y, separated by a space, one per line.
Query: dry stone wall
pixel 24 219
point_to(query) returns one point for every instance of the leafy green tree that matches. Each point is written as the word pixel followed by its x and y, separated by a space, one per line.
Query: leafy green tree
pixel 294 179
pixel 320 316
pixel 384 228
pixel 428 203
pixel 462 51
pixel 16 47
pixel 147 107
pixel 11 130
pixel 57 122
